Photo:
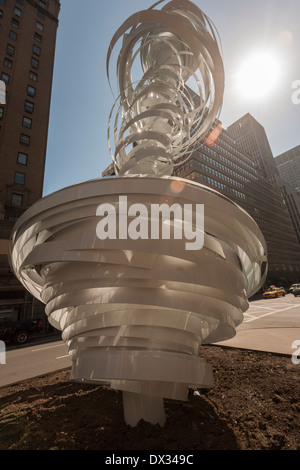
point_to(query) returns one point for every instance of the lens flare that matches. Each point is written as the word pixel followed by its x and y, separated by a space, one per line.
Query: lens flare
pixel 258 76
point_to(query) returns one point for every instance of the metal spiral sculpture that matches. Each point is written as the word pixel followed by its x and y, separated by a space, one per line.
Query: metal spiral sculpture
pixel 135 311
pixel 158 118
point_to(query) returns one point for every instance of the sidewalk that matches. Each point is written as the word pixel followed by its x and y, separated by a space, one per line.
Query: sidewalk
pixel 275 340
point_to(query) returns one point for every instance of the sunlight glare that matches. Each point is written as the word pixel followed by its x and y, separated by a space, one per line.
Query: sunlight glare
pixel 258 76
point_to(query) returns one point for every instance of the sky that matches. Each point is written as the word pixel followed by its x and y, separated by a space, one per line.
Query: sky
pixel 82 99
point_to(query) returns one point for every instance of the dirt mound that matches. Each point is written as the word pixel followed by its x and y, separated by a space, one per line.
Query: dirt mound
pixel 254 405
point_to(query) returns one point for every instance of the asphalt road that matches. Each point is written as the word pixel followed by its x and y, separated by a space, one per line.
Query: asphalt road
pixel 269 325
pixel 283 312
pixel 35 358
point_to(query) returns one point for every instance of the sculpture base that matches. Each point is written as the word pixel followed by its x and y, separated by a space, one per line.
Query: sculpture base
pixel 147 407
pixel 144 377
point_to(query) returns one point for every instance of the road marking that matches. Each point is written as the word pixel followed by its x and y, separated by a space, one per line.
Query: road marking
pixel 270 313
pixel 62 357
pixel 264 308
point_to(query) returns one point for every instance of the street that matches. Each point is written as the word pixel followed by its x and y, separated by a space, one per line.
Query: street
pixel 283 312
pixel 37 357
pixel 269 325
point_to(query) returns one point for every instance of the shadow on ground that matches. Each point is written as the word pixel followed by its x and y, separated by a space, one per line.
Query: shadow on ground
pixel 67 415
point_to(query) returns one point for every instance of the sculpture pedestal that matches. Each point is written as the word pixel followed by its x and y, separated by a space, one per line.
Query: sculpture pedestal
pixel 147 407
pixel 135 312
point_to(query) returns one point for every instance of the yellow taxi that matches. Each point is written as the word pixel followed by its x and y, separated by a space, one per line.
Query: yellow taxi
pixel 274 292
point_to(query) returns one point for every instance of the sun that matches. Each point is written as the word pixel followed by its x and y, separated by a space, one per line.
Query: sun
pixel 258 76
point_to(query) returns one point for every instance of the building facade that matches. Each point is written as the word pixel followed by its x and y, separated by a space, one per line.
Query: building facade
pixel 288 166
pixel 223 165
pixel 251 136
pixel 283 172
pixel 27 48
pixel 292 201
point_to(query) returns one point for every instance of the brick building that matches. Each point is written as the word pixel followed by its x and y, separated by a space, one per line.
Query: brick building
pixel 27 49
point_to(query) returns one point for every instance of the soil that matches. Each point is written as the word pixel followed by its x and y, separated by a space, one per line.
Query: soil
pixel 254 405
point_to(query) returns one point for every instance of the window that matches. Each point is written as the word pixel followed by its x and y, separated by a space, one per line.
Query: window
pixel 27 122
pixel 2 2
pixel 1 112
pixel 17 11
pixel 20 1
pixel 42 4
pixel 17 199
pixel 35 63
pixel 36 49
pixel 38 37
pixel 32 76
pixel 41 14
pixel 31 90
pixel 29 107
pixel 7 63
pixel 13 35
pixel 1 13
pixel 5 77
pixel 19 178
pixel 24 139
pixel 22 158
pixel 39 26
pixel 10 50
pixel 15 23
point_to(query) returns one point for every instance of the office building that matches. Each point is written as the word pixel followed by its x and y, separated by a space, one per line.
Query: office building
pixel 283 171
pixel 288 166
pixel 223 165
pixel 250 136
pixel 27 48
pixel 292 202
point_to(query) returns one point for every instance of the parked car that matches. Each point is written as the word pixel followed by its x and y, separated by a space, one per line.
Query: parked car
pixel 292 287
pixel 19 331
pixel 296 290
pixel 274 292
